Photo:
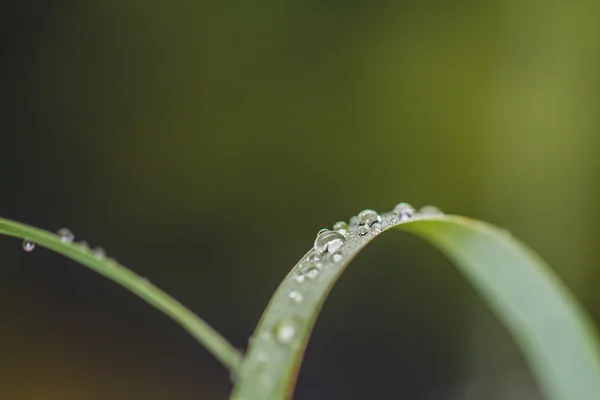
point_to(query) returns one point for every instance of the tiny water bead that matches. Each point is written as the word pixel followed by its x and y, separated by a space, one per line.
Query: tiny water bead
pixel 313 258
pixel 28 246
pixel 341 227
pixel 329 241
pixel 262 356
pixel 404 211
pixel 389 219
pixel 285 331
pixel 66 236
pixel 376 228
pixel 99 253
pixel 296 296
pixel 430 210
pixel 300 278
pixel 362 231
pixel 312 273
pixel 337 257
pixel 368 217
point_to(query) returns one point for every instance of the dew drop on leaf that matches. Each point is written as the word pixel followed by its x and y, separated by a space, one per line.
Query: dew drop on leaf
pixel 377 228
pixel 99 253
pixel 329 241
pixel 300 278
pixel 285 331
pixel 296 296
pixel 362 231
pixel 262 356
pixel 430 210
pixel 312 273
pixel 404 211
pixel 341 227
pixel 66 236
pixel 313 257
pixel 368 217
pixel 28 245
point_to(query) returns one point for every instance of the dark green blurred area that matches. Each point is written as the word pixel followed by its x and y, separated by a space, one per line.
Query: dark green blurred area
pixel 203 144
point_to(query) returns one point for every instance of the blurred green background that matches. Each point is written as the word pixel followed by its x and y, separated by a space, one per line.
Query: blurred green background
pixel 203 144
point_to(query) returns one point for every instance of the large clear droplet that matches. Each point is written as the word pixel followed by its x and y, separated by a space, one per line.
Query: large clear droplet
pixel 285 331
pixel 296 296
pixel 66 236
pixel 341 227
pixel 404 211
pixel 368 217
pixel 430 210
pixel 28 245
pixel 329 241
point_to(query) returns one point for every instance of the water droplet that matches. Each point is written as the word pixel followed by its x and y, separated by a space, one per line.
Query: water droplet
pixel 341 227
pixel 368 217
pixel 313 257
pixel 300 278
pixel 376 228
pixel 84 244
pixel 390 219
pixel 362 231
pixel 329 241
pixel 296 296
pixel 430 210
pixel 404 211
pixel 312 273
pixel 28 245
pixel 337 257
pixel 262 356
pixel 99 253
pixel 322 230
pixel 66 236
pixel 285 332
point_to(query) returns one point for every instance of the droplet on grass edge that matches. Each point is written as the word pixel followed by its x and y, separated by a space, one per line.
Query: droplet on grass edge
pixel 99 253
pixel 28 246
pixel 66 236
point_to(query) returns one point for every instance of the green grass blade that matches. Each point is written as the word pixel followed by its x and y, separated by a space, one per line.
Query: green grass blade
pixel 199 329
pixel 556 336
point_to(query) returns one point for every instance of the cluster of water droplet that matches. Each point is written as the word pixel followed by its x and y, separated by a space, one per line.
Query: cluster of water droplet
pixel 66 236
pixel 332 246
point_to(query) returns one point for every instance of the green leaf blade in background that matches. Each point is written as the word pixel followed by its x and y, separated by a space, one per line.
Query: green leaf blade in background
pixel 555 334
pixel 140 286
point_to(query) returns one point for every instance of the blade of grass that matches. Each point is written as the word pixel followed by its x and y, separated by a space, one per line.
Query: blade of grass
pixel 215 343
pixel 556 336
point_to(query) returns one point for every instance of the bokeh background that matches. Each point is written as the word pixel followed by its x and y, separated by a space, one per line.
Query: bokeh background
pixel 203 144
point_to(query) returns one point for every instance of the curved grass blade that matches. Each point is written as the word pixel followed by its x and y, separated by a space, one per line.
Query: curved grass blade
pixel 216 344
pixel 557 338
